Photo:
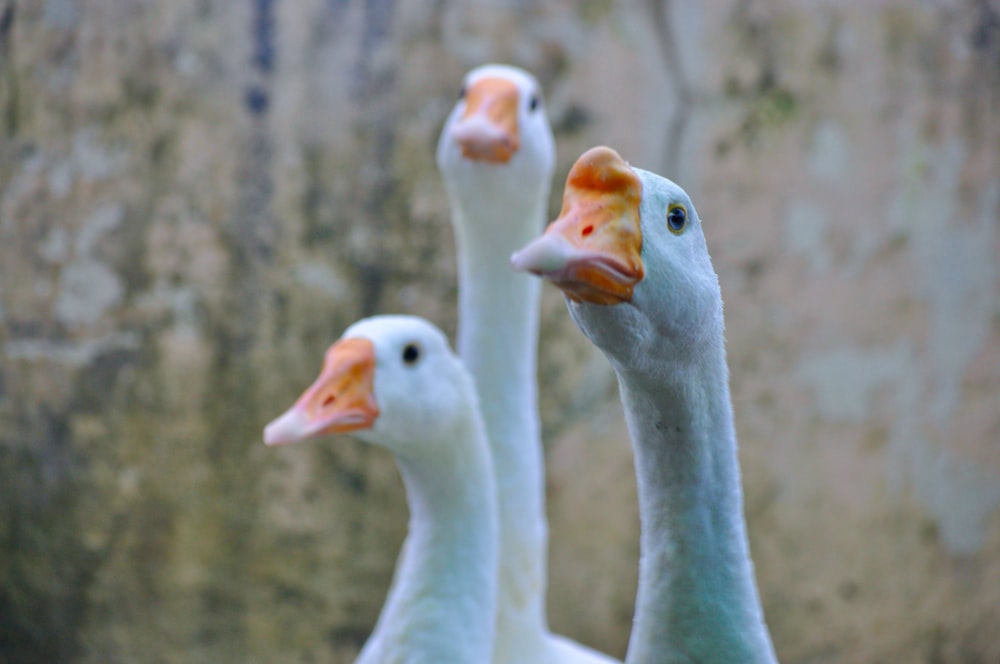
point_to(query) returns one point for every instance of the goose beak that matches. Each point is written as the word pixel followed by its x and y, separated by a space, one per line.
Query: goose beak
pixel 341 400
pixel 592 251
pixel 487 130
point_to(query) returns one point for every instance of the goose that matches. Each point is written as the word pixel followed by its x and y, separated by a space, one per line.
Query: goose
pixel 393 381
pixel 496 154
pixel 629 254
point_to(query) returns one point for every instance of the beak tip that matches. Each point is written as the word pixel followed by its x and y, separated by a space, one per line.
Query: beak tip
pixel 288 428
pixel 543 255
pixel 481 140
pixel 518 261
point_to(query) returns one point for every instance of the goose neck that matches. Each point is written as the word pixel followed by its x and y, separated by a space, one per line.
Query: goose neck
pixel 697 598
pixel 446 575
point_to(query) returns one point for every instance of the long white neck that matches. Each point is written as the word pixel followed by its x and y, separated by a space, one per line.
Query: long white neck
pixel 442 603
pixel 498 341
pixel 697 598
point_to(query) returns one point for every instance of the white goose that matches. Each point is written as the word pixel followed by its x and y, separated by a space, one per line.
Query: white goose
pixel 393 381
pixel 629 254
pixel 496 155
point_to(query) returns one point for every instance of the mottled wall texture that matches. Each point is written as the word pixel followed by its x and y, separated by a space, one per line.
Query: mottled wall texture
pixel 197 197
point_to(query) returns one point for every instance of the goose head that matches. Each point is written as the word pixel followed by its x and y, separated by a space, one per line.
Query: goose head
pixel 497 137
pixel 628 252
pixel 389 380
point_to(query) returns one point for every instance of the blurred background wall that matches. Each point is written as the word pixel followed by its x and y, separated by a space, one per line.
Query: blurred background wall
pixel 197 197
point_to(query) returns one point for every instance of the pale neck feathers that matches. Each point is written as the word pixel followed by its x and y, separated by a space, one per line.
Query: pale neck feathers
pixel 498 341
pixel 697 598
pixel 442 602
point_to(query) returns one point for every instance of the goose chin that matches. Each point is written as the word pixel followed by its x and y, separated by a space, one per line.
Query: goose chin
pixel 597 277
pixel 295 425
pixel 348 422
pixel 584 277
pixel 595 280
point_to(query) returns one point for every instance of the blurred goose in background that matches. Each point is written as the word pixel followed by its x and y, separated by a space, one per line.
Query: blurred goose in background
pixel 394 382
pixel 496 154
pixel 629 254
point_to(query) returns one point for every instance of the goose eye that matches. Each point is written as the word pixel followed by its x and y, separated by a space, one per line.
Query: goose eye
pixel 411 353
pixel 676 218
pixel 462 93
pixel 534 103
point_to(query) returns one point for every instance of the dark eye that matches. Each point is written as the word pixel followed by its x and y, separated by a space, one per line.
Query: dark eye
pixel 534 103
pixel 462 93
pixel 676 218
pixel 411 353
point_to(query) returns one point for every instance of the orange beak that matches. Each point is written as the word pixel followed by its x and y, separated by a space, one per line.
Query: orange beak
pixel 341 400
pixel 592 251
pixel 487 131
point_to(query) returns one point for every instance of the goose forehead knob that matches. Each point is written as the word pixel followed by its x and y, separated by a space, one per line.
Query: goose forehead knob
pixel 601 169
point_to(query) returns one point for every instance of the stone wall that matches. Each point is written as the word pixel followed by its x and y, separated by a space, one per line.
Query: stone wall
pixel 196 198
